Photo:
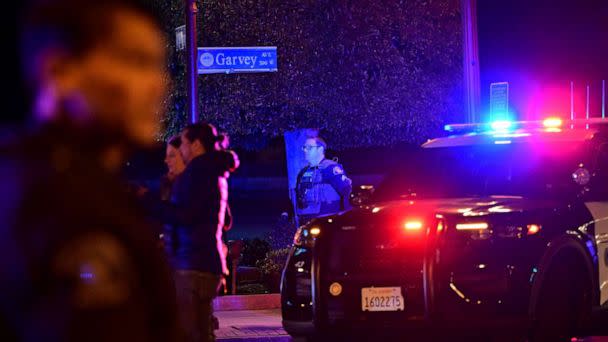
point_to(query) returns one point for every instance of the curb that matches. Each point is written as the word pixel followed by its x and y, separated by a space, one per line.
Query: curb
pixel 258 339
pixel 247 302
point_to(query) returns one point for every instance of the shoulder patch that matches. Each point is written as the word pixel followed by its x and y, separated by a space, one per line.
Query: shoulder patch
pixel 338 170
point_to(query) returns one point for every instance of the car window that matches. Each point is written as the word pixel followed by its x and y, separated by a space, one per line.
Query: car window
pixel 464 171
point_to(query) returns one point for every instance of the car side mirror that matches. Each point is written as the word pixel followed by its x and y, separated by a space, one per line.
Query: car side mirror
pixel 361 195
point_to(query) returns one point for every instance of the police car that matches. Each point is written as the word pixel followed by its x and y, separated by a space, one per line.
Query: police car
pixel 502 228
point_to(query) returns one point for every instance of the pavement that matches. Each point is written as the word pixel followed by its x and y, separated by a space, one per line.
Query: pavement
pixel 265 326
pixel 251 325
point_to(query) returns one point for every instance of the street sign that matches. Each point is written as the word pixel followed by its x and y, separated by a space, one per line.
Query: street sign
pixel 180 37
pixel 227 60
pixel 499 100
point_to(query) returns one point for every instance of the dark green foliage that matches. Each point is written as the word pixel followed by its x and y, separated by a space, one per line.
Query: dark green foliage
pixel 366 72
pixel 282 233
pixel 274 262
pixel 252 289
pixel 272 267
pixel 253 251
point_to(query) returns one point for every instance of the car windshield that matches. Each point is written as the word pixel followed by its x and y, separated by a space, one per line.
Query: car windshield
pixel 483 170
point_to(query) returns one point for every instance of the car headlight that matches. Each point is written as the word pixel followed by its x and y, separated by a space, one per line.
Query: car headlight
pixel 305 235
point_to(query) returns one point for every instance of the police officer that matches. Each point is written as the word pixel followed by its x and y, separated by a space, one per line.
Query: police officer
pixel 322 187
pixel 79 262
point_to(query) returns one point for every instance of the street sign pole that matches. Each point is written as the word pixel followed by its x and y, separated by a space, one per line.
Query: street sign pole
pixel 470 59
pixel 191 60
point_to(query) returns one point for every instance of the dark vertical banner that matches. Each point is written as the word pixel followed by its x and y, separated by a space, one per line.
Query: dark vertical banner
pixel 294 140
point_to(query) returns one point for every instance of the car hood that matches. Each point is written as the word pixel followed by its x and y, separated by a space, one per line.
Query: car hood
pixel 465 208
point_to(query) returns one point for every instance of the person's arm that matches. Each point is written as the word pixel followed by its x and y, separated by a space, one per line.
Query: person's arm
pixel 336 177
pixel 228 219
pixel 191 193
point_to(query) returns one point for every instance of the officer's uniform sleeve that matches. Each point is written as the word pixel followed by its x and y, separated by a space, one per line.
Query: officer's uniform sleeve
pixel 97 271
pixel 336 177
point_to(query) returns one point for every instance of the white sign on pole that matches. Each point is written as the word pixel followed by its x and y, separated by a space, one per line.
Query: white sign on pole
pixel 180 38
pixel 499 100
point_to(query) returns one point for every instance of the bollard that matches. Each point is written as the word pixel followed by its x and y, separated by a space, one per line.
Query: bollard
pixel 234 250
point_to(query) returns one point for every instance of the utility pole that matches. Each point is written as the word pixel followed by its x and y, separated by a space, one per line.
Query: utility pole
pixel 191 60
pixel 470 58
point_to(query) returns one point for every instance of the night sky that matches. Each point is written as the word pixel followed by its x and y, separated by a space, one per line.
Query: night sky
pixel 539 46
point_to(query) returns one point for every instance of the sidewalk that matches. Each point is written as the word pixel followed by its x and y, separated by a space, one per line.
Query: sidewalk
pixel 251 325
pixel 265 326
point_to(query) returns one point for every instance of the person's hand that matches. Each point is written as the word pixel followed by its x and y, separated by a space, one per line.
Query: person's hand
pixel 347 180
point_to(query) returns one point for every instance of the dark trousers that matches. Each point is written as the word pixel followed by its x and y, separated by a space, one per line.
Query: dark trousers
pixel 195 293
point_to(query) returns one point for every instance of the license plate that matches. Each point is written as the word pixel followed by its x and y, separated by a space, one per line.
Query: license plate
pixel 382 299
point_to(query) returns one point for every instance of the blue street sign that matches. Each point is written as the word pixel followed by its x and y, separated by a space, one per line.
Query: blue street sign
pixel 226 60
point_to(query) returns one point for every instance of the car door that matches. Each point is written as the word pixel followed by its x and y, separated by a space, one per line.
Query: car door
pixel 597 204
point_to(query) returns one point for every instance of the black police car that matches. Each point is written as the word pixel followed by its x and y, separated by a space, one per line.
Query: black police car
pixel 500 228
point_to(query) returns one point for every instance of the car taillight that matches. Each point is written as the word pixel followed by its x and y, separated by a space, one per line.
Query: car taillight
pixel 413 225
pixel 439 226
pixel 533 229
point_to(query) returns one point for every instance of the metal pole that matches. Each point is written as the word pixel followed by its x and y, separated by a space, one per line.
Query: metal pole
pixel 603 99
pixel 571 102
pixel 470 58
pixel 587 107
pixel 191 63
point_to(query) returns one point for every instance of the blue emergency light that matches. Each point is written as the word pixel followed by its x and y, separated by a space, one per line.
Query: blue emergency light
pixel 503 126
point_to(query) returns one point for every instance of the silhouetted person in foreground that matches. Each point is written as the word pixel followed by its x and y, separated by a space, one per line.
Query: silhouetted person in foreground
pixel 78 262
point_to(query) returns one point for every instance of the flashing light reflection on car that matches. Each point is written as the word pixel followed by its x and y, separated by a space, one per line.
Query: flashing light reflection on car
pixel 501 125
pixel 315 231
pixel 412 225
pixel 472 226
pixel 552 122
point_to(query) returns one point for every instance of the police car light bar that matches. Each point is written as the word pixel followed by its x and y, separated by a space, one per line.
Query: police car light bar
pixel 502 126
pixel 552 122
